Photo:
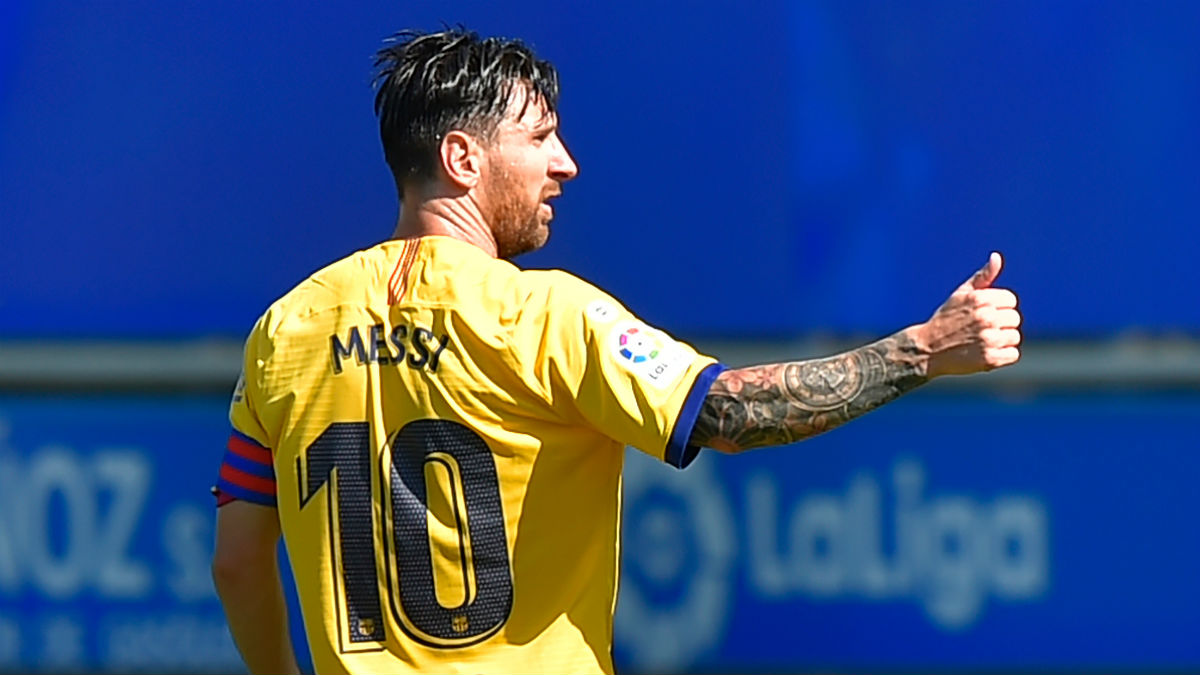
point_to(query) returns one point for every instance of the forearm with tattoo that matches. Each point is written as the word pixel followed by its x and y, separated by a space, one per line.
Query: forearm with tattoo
pixel 780 403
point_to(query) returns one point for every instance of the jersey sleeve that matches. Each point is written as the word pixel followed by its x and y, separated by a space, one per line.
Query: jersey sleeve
pixel 623 377
pixel 247 470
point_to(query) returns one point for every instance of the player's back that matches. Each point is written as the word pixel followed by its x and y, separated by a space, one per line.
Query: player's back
pixel 446 500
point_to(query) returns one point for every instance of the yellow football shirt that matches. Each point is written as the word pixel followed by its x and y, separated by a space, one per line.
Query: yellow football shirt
pixel 445 434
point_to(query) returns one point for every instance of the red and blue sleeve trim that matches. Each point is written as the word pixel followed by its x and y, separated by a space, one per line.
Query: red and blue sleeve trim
pixel 679 454
pixel 247 472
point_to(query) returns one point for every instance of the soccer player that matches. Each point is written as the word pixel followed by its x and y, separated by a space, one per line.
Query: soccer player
pixel 438 434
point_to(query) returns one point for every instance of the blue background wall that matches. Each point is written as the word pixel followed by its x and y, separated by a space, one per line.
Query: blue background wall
pixel 775 169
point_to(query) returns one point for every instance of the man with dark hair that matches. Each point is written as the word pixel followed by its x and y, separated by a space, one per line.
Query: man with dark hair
pixel 438 434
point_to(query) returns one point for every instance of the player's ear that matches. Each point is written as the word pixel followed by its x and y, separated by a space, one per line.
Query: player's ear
pixel 462 159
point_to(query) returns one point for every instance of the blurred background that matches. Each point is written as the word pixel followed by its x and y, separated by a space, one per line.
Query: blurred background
pixel 768 180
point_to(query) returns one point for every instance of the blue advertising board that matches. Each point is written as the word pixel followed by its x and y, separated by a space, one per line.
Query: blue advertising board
pixel 949 534
pixel 952 534
pixel 106 530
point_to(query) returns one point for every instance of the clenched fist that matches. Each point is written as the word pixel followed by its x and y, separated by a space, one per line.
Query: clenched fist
pixel 976 329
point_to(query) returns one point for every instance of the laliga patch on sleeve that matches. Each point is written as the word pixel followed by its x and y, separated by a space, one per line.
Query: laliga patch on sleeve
pixel 648 353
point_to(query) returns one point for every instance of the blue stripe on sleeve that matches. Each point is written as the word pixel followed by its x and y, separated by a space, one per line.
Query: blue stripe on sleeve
pixel 248 439
pixel 679 454
pixel 239 492
pixel 249 466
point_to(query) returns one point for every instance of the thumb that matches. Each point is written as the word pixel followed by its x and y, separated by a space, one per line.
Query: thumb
pixel 986 275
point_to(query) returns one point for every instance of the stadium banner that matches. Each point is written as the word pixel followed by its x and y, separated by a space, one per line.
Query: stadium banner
pixel 106 535
pixel 969 534
pixel 955 534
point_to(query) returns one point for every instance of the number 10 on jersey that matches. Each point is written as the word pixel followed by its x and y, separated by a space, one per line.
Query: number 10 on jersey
pixel 448 588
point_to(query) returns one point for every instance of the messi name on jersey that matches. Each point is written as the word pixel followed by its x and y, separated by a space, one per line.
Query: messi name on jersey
pixel 412 346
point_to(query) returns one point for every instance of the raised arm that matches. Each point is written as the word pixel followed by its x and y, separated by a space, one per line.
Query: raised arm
pixel 976 329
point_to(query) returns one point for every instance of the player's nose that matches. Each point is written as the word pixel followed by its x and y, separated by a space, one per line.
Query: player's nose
pixel 562 165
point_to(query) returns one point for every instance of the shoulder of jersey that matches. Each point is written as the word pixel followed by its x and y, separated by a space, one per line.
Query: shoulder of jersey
pixel 329 286
pixel 555 287
pixel 561 298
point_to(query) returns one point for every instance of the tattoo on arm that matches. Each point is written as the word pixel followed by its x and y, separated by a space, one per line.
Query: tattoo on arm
pixel 780 403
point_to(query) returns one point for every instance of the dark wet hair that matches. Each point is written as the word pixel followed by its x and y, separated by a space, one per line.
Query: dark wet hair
pixel 429 84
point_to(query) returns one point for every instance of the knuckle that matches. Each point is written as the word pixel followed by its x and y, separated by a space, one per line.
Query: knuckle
pixel 996 358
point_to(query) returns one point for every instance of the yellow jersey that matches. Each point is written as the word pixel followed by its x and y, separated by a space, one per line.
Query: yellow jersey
pixel 442 434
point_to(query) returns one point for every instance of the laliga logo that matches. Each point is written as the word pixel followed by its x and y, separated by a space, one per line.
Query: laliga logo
pixel 686 548
pixel 678 535
pixel 948 552
pixel 637 345
pixel 648 353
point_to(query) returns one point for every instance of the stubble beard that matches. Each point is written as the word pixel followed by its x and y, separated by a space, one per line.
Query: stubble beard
pixel 516 223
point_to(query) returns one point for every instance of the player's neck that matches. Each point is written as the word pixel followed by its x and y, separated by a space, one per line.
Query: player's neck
pixel 457 217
